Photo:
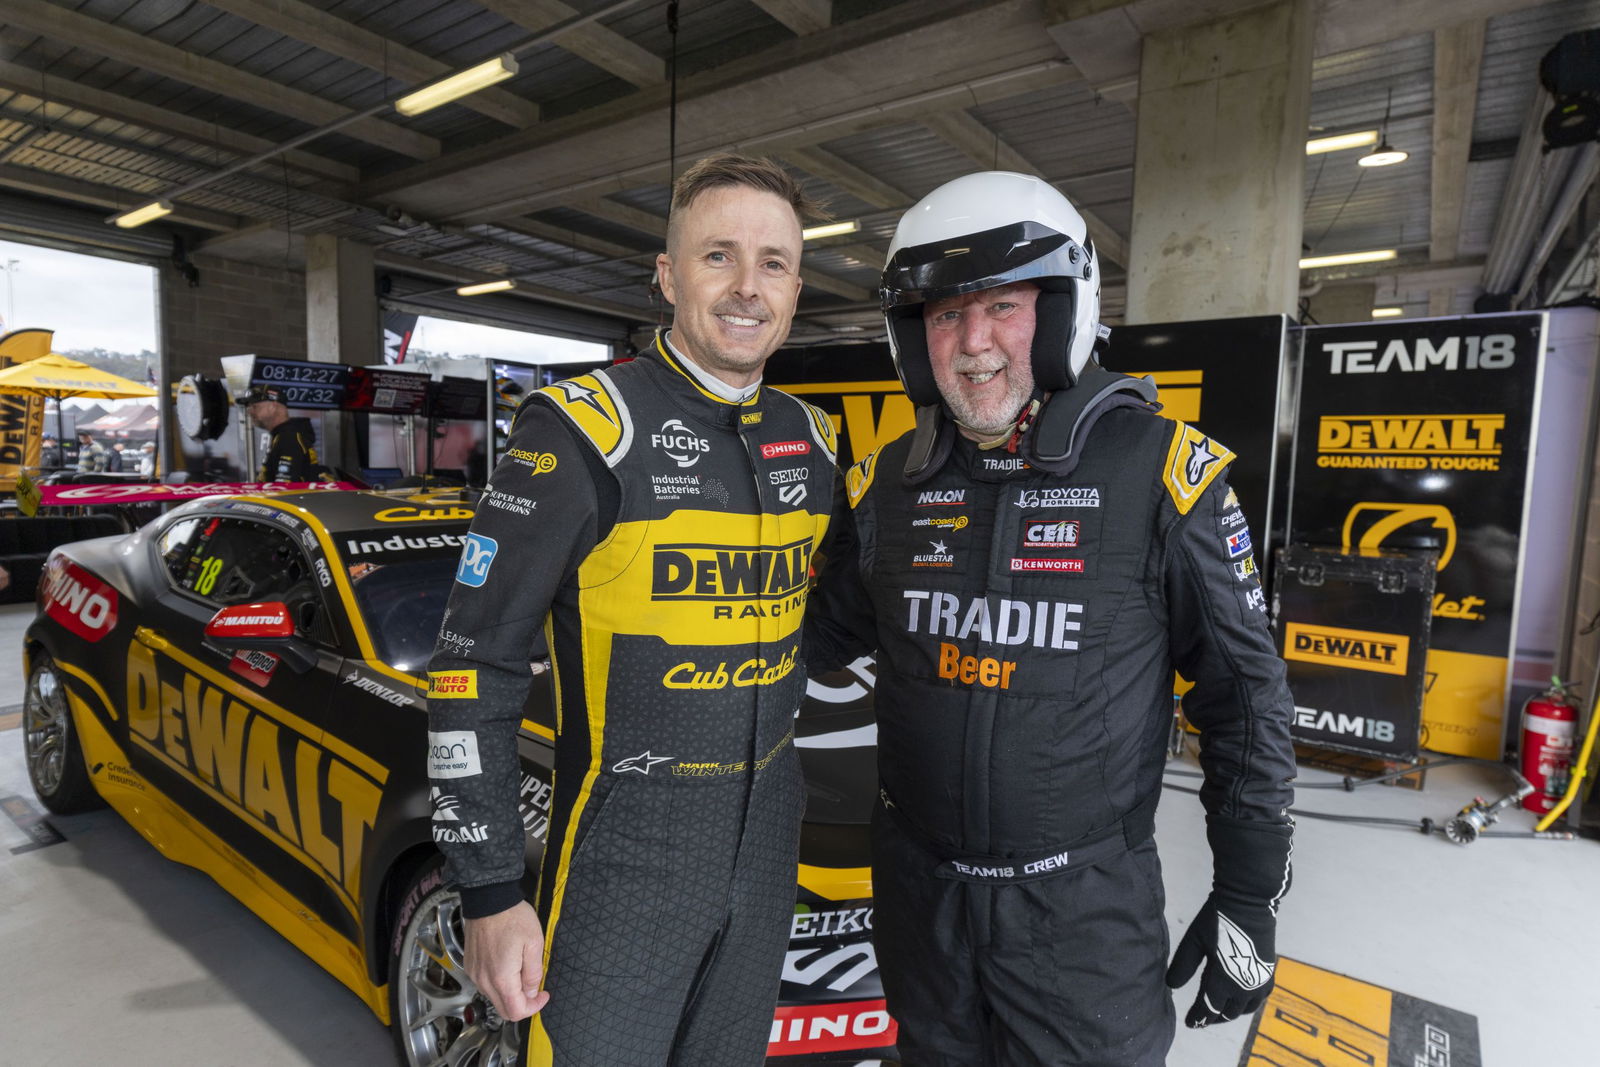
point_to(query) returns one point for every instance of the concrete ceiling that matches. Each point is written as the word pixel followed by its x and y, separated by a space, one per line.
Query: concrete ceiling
pixel 559 176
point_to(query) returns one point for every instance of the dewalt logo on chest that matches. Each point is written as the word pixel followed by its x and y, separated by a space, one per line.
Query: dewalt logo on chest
pixel 1362 650
pixel 774 576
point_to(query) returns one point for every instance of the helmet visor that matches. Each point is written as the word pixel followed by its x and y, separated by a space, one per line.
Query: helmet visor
pixel 1023 251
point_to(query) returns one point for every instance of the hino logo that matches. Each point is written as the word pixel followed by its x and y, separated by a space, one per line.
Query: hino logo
pixel 1329 722
pixel 1497 351
pixel 1043 624
pixel 682 445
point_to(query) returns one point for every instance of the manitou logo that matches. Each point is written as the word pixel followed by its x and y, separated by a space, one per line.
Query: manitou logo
pixel 1497 351
pixel 79 601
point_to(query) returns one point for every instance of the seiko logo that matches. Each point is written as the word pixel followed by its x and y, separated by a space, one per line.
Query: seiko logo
pixel 828 923
pixel 1043 624
pixel 1059 534
pixel 788 474
pixel 941 497
pixel 682 445
pixel 785 448
pixel 1328 722
pixel 1065 497
pixel 1494 352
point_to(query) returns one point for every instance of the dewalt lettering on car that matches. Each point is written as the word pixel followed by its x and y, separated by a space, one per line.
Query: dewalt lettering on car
pixel 684 531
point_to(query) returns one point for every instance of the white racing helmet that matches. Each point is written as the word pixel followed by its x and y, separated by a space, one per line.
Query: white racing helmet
pixel 985 230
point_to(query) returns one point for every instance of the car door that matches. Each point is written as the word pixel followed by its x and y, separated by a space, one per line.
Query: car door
pixel 238 738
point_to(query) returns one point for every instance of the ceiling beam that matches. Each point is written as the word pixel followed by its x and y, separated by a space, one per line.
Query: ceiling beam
pixel 41 86
pixel 453 275
pixel 92 35
pixel 336 36
pixel 836 80
pixel 989 151
pixel 605 48
pixel 1457 61
pixel 1411 271
pixel 847 176
pixel 801 16
pixel 109 197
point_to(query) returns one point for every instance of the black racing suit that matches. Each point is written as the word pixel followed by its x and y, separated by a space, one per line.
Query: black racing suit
pixel 662 536
pixel 291 453
pixel 1027 628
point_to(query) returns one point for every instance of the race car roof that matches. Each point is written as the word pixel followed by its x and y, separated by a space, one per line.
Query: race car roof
pixel 341 510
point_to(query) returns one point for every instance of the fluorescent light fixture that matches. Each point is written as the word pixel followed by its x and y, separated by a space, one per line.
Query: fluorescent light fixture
pixel 486 287
pixel 1346 258
pixel 832 229
pixel 1387 313
pixel 1340 142
pixel 141 215
pixel 456 86
pixel 1385 155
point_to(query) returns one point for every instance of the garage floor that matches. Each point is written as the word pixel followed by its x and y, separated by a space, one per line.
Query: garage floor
pixel 121 956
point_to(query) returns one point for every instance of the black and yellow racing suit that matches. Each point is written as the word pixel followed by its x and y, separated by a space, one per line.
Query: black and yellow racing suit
pixel 662 536
pixel 1027 627
pixel 291 453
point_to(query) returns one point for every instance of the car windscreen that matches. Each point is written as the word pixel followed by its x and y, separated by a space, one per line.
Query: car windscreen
pixel 402 582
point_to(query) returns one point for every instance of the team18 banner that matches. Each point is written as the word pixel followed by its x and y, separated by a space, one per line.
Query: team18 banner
pixel 1419 432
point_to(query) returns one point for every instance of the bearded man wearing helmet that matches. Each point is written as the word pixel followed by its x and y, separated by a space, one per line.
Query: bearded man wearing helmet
pixel 1031 563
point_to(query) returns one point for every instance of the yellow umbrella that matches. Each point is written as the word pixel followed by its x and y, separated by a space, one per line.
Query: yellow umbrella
pixel 57 376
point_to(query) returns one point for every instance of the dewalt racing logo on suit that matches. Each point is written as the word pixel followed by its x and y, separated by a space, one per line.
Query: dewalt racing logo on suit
pixel 757 580
pixel 1332 646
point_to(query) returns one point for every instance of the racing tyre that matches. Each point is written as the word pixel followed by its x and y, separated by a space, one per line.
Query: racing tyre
pixel 50 744
pixel 436 1014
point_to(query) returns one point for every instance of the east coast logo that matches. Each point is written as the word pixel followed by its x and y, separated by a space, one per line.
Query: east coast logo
pixel 1362 650
pixel 682 445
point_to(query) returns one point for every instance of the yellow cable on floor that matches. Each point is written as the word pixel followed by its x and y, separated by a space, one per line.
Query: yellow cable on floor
pixel 1579 769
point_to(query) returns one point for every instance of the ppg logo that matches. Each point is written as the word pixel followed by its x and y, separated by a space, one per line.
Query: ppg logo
pixel 476 555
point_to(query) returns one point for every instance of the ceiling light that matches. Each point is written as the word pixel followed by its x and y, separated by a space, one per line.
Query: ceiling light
pixel 141 215
pixel 832 229
pixel 1385 155
pixel 486 287
pixel 1387 313
pixel 456 86
pixel 1341 141
pixel 1346 258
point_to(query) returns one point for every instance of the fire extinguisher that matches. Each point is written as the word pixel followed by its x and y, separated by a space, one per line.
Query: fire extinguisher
pixel 1549 725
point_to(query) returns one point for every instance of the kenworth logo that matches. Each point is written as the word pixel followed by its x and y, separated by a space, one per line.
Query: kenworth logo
pixel 1043 624
pixel 681 444
pixel 729 572
pixel 1361 650
pixel 1494 352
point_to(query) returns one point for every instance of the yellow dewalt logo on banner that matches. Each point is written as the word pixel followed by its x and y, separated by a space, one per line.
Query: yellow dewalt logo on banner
pixel 1410 442
pixel 453 685
pixel 1362 650
pixel 1377 520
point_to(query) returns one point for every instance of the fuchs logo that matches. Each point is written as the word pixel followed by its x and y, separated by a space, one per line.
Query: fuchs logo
pixel 1362 650
pixel 785 448
pixel 1065 497
pixel 1058 566
pixel 1497 351
pixel 476 557
pixel 935 498
pixel 1328 722
pixel 79 601
pixel 453 754
pixel 1062 533
pixel 682 445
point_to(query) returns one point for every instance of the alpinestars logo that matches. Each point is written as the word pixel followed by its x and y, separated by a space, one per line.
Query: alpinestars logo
pixel 1200 459
pixel 641 763
pixel 1238 956
pixel 682 445
pixel 578 393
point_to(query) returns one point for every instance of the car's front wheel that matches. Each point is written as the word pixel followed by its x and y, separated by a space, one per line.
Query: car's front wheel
pixel 50 744
pixel 436 1013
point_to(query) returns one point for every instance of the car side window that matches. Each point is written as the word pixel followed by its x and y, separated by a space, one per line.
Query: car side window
pixel 235 561
pixel 174 543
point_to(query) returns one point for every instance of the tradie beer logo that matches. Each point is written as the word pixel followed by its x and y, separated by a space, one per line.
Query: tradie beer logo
pixel 682 445
pixel 1361 650
pixel 1410 442
pixel 1379 521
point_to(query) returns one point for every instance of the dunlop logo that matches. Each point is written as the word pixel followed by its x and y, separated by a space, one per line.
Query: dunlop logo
pixel 1361 650
pixel 729 572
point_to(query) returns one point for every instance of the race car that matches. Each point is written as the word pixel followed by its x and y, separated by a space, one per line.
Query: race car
pixel 242 681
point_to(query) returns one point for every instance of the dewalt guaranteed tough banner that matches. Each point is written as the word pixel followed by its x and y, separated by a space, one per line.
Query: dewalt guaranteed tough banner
pixel 1417 432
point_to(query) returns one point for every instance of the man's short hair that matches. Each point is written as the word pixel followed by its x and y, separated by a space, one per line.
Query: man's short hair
pixel 752 172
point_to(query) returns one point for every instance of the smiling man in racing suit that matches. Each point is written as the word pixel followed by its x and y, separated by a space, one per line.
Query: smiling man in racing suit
pixel 657 518
pixel 1030 563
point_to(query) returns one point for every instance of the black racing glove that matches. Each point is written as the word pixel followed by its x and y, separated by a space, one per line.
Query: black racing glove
pixel 1235 932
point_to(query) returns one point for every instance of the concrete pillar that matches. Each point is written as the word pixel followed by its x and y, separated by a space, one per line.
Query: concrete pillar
pixel 1219 168
pixel 341 325
pixel 1343 303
